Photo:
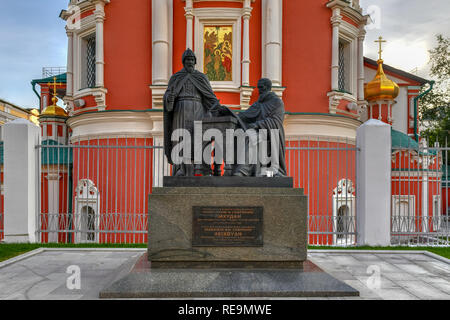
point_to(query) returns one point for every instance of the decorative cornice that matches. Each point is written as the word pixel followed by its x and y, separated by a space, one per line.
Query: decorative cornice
pixel 96 125
pixel 335 128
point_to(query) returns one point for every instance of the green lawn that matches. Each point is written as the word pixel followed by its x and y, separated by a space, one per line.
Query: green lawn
pixel 10 250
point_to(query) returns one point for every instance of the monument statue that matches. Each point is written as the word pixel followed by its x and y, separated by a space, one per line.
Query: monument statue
pixel 189 97
pixel 265 114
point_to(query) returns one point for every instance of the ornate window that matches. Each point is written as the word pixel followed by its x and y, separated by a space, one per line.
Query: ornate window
pixel 218 46
pixel 88 62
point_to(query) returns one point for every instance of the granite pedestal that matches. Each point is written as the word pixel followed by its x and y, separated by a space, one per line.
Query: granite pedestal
pixel 184 260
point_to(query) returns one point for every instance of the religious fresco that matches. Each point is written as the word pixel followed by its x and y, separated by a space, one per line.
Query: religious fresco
pixel 218 53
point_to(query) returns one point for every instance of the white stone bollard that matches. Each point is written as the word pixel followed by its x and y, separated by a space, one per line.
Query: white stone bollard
pixel 21 180
pixel 373 171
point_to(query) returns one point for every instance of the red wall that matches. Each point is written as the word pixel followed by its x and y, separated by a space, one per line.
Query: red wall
pixel 128 54
pixel 306 55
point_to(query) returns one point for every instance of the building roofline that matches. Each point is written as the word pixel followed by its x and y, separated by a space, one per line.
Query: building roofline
pixel 16 106
pixel 401 73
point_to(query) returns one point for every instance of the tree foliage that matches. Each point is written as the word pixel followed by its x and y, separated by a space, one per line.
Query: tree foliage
pixel 434 108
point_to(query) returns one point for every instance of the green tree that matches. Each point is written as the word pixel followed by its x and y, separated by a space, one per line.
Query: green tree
pixel 434 108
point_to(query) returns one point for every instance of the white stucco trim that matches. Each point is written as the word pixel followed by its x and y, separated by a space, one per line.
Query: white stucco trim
pixel 340 129
pixel 118 124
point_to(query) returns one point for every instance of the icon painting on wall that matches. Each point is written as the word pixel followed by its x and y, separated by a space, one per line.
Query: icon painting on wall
pixel 218 53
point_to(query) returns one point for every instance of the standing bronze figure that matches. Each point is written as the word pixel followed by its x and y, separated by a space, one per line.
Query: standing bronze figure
pixel 189 97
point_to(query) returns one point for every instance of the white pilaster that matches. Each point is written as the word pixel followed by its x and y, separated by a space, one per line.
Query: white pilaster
pixel 246 44
pixel 161 49
pixel 361 37
pixel 373 169
pixel 336 20
pixel 189 24
pixel 99 15
pixel 21 180
pixel 69 84
pixel 272 39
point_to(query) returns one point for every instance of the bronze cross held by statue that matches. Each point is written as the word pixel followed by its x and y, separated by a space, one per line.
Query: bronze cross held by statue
pixel 380 42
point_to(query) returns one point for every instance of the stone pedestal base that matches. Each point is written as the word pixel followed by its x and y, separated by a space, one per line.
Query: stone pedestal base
pixel 146 282
pixel 171 228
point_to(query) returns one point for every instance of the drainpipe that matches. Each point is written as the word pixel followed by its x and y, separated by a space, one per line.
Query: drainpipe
pixel 34 89
pixel 416 135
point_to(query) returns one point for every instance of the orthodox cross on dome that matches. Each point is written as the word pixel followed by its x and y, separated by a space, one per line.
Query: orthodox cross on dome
pixel 54 84
pixel 380 43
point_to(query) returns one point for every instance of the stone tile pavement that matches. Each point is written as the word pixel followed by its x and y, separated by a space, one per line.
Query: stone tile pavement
pixel 43 274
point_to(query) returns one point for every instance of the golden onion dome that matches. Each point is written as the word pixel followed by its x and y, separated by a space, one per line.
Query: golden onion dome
pixel 381 88
pixel 54 110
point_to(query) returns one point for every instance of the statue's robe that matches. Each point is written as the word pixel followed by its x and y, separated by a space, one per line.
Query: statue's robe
pixel 267 113
pixel 194 101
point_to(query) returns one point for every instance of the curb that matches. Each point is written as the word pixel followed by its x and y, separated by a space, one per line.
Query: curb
pixel 427 253
pixel 40 250
pixel 21 257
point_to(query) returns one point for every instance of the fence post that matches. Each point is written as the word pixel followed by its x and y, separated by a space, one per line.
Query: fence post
pixel 21 180
pixel 373 171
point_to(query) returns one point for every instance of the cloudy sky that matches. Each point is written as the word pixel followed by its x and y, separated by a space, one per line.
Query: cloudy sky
pixel 32 36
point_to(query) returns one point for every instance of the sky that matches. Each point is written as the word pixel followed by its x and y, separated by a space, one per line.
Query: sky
pixel 32 36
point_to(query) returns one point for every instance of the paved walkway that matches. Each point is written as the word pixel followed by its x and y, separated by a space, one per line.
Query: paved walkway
pixel 377 275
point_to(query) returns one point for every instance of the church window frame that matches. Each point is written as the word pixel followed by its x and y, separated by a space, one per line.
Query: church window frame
pixel 348 56
pixel 88 30
pixel 220 17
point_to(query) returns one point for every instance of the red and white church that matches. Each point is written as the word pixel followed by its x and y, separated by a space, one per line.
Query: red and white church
pixel 121 55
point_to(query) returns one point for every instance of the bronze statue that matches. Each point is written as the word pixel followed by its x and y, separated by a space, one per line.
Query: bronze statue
pixel 267 113
pixel 189 97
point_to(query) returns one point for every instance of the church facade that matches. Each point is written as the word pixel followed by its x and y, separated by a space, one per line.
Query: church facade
pixel 121 55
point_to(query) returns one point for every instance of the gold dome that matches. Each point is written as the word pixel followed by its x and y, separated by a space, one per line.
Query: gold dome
pixel 54 110
pixel 381 88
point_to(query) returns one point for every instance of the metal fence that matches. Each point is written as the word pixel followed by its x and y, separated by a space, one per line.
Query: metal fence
pixel 96 190
pixel 419 203
pixel 326 170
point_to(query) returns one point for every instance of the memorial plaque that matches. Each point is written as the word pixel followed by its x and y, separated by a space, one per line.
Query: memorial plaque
pixel 227 227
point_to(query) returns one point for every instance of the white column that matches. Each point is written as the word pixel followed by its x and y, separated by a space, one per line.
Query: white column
pixel 335 21
pixel 21 180
pixel 160 43
pixel 53 206
pixel 99 15
pixel 189 24
pixel 69 90
pixel 361 37
pixel 246 44
pixel 373 169
pixel 273 35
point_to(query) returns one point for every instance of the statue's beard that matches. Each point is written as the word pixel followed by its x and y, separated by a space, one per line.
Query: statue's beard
pixel 263 95
pixel 190 68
